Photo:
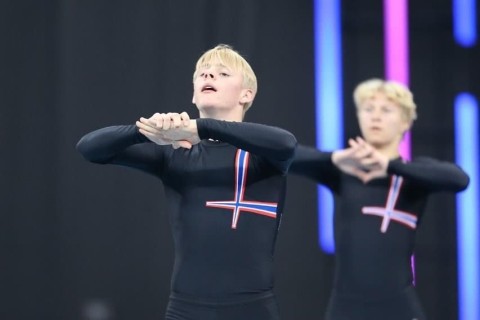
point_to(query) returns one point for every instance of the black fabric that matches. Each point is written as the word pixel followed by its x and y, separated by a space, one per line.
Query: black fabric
pixel 374 263
pixel 404 306
pixel 259 308
pixel 216 258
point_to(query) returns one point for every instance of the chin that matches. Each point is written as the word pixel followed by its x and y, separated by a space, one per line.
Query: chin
pixel 376 143
pixel 207 107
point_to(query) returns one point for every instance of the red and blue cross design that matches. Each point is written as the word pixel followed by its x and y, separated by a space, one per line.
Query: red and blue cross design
pixel 389 212
pixel 239 204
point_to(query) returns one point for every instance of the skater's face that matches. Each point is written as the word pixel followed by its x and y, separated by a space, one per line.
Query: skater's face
pixel 382 121
pixel 218 86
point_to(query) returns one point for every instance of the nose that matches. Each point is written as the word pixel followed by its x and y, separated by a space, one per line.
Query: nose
pixel 208 75
pixel 376 113
pixel 376 117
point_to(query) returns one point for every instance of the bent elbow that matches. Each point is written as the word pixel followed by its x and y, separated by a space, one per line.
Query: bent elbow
pixel 463 183
pixel 290 143
pixel 89 154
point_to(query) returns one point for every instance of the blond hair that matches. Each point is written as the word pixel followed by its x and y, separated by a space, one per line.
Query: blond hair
pixel 394 91
pixel 225 55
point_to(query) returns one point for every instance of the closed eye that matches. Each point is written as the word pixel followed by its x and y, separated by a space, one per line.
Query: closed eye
pixel 367 108
pixel 386 109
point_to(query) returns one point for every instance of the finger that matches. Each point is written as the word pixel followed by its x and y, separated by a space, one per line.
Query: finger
pixel 159 120
pixel 365 144
pixel 364 149
pixel 338 156
pixel 146 127
pixel 185 144
pixel 363 152
pixel 360 140
pixel 176 120
pixel 355 145
pixel 155 138
pixel 346 156
pixel 147 122
pixel 157 116
pixel 181 144
pixel 148 134
pixel 358 153
pixel 144 123
pixel 185 119
pixel 370 163
pixel 167 121
pixel 352 143
pixel 350 153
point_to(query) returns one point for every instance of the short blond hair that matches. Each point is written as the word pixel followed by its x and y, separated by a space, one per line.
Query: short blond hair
pixel 395 91
pixel 225 55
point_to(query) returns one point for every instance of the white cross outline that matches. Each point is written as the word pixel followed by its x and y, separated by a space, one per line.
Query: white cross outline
pixel 388 212
pixel 238 204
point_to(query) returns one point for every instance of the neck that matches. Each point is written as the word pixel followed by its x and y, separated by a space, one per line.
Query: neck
pixel 390 151
pixel 222 114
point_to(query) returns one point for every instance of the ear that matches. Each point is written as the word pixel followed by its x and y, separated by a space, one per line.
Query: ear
pixel 193 97
pixel 246 96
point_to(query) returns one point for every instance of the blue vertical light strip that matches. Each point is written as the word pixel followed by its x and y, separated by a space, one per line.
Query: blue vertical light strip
pixel 465 22
pixel 328 102
pixel 468 222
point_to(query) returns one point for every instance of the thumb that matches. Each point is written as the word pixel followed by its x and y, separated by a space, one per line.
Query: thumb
pixel 181 144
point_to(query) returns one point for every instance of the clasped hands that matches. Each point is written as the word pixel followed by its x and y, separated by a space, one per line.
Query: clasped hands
pixel 175 129
pixel 361 160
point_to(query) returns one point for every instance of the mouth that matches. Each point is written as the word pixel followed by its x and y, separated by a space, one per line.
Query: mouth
pixel 208 88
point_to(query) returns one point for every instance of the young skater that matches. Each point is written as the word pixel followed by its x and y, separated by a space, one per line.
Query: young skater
pixel 225 185
pixel 379 202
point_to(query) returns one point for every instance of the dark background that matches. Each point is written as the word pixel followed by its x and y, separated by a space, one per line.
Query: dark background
pixel 89 242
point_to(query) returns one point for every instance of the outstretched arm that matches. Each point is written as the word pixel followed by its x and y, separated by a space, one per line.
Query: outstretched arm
pixel 315 164
pixel 365 162
pixel 325 167
pixel 275 145
pixel 432 174
pixel 122 145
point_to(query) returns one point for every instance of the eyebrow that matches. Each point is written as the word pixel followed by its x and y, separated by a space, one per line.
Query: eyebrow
pixel 217 65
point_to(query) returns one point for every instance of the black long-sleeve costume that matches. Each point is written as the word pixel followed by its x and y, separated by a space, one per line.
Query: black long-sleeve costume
pixel 226 197
pixel 375 223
